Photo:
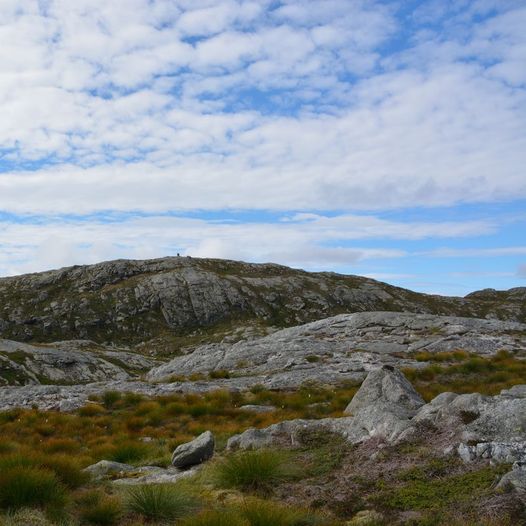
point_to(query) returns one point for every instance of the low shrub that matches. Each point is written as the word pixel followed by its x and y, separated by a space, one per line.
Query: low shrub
pixel 254 470
pixel 160 501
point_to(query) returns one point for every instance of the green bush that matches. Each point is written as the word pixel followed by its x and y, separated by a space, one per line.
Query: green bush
pixel 25 486
pixel 160 501
pixel 253 470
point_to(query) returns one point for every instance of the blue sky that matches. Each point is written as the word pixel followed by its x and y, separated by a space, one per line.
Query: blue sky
pixel 382 138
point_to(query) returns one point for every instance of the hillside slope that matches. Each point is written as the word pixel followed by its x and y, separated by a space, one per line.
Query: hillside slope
pixel 128 302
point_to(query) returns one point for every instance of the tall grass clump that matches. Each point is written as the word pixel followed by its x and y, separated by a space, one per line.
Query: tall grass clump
pixel 25 486
pixel 255 470
pixel 160 501
pixel 99 509
pixel 66 469
pixel 129 452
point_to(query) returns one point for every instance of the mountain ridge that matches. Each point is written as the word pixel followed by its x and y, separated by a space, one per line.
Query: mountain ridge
pixel 133 301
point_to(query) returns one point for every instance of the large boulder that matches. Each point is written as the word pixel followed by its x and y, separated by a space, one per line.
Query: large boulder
pixel 515 479
pixel 383 406
pixel 194 452
pixel 386 388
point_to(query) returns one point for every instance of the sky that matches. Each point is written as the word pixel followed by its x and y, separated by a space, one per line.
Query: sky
pixel 384 138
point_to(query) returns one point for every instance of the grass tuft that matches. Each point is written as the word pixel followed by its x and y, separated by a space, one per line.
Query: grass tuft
pixel 160 501
pixel 254 470
pixel 24 486
pixel 99 509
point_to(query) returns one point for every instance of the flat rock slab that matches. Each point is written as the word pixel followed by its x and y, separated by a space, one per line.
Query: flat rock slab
pixel 348 343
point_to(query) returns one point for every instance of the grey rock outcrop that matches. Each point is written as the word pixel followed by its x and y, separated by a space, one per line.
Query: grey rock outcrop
pixel 347 346
pixel 127 475
pixel 155 475
pixel 194 452
pixel 74 362
pixel 387 407
pixel 287 433
pixel 515 479
pixel 105 468
pixel 133 301
pixel 382 407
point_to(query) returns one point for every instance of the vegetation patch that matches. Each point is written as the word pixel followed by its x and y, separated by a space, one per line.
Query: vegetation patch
pixel 160 501
pixel 468 373
pixel 254 471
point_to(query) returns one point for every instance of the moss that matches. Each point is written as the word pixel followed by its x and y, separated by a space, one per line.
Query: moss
pixel 422 491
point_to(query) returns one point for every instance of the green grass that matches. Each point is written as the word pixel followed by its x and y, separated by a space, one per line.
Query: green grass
pixel 462 372
pixel 422 491
pixel 129 452
pixel 254 471
pixel 160 502
pixel 66 469
pixel 23 486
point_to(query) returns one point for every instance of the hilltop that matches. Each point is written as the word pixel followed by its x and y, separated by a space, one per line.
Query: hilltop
pixel 178 301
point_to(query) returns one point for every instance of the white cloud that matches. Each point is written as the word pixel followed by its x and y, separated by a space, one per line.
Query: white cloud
pixel 306 241
pixel 475 252
pixel 161 105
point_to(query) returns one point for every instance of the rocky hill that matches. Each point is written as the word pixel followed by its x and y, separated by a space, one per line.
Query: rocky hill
pixel 129 302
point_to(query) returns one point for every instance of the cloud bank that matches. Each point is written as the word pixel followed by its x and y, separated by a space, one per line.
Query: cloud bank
pixel 331 114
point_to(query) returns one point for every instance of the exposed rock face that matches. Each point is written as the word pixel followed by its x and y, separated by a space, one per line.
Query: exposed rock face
pixel 515 479
pixel 387 407
pixel 133 301
pixel 287 433
pixel 65 363
pixel 342 348
pixel 105 468
pixel 349 344
pixel 194 452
